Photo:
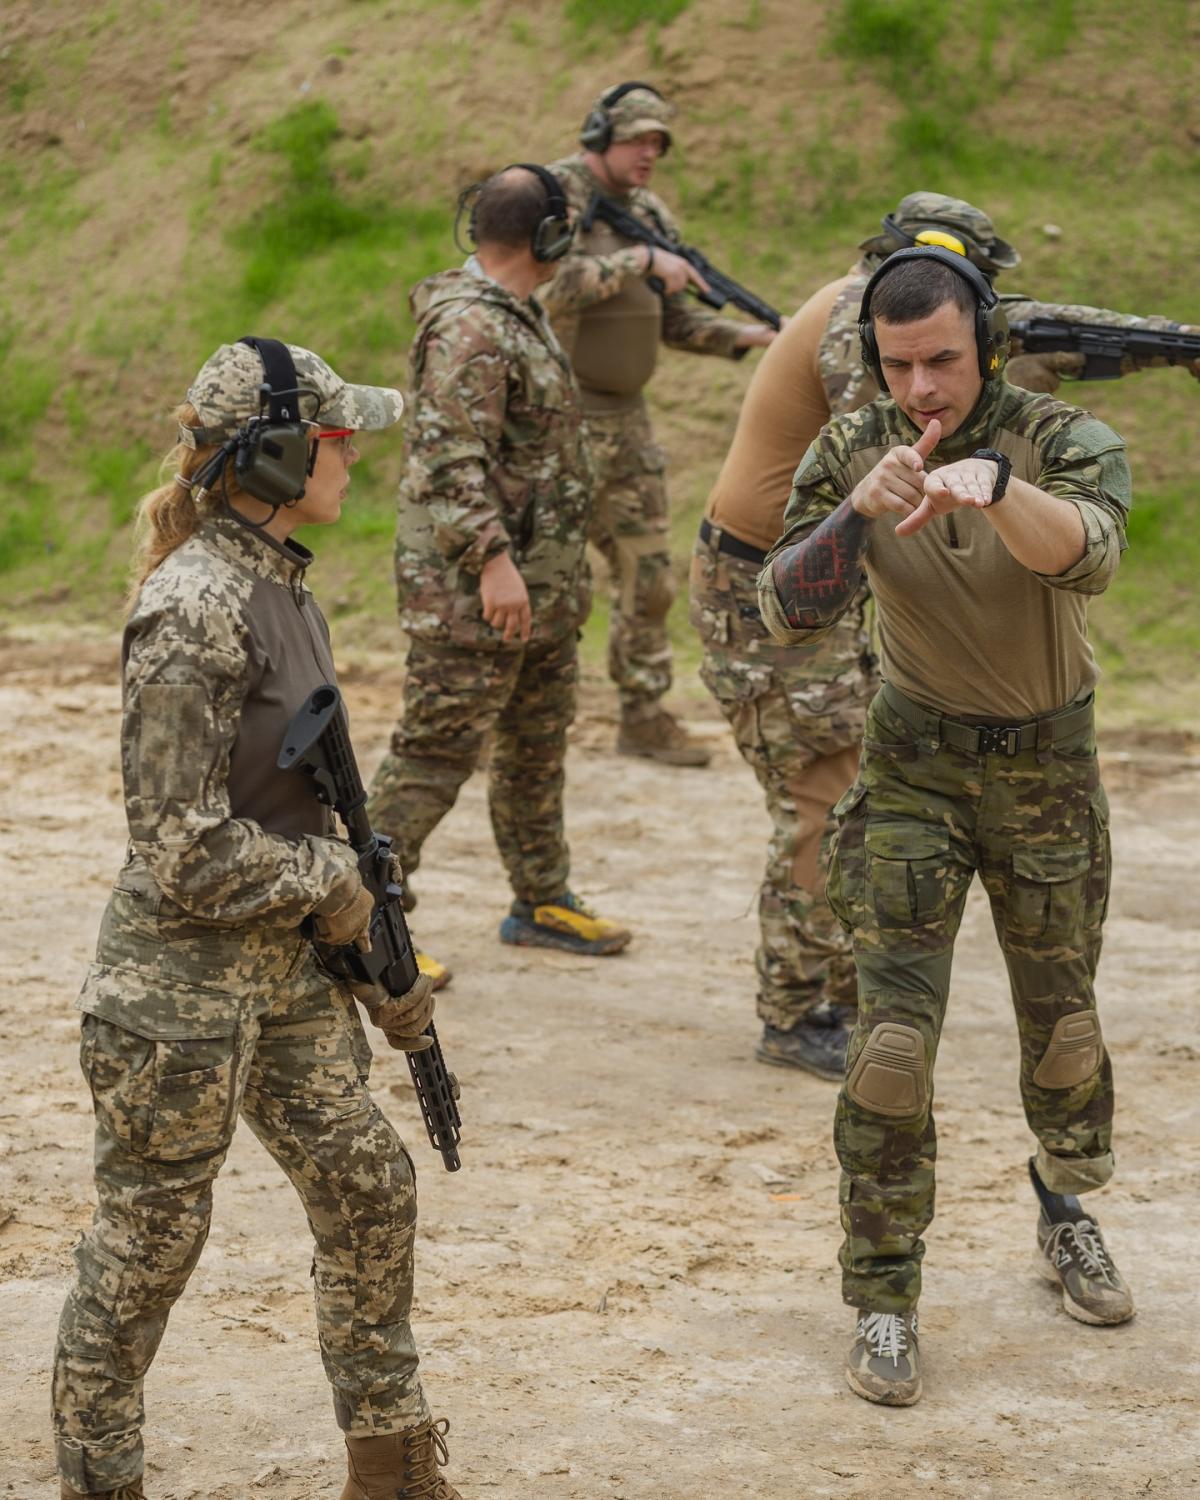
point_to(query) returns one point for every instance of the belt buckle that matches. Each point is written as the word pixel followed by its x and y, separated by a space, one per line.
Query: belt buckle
pixel 996 739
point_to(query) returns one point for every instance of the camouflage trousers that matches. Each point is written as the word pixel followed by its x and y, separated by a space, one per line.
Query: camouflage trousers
pixel 799 731
pixel 453 696
pixel 183 1028
pixel 921 819
pixel 630 526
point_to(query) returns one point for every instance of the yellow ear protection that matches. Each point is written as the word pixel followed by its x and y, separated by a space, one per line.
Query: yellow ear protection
pixel 552 235
pixel 596 132
pixel 271 453
pixel 991 324
pixel 941 237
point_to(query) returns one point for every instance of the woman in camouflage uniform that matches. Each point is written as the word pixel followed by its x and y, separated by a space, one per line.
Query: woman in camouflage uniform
pixel 205 998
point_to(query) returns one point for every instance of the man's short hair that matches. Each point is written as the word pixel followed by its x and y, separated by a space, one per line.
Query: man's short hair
pixel 916 289
pixel 510 206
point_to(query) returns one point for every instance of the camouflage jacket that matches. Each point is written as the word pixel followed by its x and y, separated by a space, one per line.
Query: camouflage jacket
pixel 599 266
pixel 848 385
pixel 223 645
pixel 496 461
pixel 957 613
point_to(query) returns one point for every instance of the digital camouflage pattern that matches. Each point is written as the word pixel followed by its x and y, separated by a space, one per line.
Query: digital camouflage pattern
pixel 453 697
pixel 225 395
pixel 223 645
pixel 797 719
pixel 182 1030
pixel 631 526
pixel 916 825
pixel 496 462
pixel 204 1000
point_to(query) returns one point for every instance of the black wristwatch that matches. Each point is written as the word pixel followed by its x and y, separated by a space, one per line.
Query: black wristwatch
pixel 1003 470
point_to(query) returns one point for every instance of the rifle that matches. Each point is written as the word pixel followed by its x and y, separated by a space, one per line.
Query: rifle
pixel 1104 345
pixel 317 742
pixel 721 288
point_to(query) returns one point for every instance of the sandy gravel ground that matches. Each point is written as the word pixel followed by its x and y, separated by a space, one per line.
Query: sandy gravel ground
pixel 629 1290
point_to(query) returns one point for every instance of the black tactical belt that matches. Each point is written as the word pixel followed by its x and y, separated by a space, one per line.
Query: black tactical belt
pixel 730 544
pixel 991 739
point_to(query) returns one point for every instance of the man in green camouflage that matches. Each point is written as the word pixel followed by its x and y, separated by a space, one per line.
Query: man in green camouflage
pixel 611 321
pixel 797 717
pixel 491 568
pixel 984 518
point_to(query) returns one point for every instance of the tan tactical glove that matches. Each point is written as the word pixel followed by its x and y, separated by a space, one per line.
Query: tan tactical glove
pixel 401 1018
pixel 345 914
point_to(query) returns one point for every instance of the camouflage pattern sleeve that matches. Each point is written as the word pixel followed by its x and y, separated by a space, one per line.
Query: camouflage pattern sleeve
pixel 582 280
pixel 688 324
pixel 1085 463
pixel 816 493
pixel 1045 372
pixel 186 675
pixel 455 428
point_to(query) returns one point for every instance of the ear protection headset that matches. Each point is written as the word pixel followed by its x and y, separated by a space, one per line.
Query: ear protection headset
pixel 596 133
pixel 991 324
pixel 552 234
pixel 942 237
pixel 271 452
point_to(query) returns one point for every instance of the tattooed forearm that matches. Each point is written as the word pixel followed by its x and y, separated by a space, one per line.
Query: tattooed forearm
pixel 818 577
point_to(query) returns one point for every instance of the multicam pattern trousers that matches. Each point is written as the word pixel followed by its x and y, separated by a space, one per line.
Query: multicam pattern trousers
pixel 920 821
pixel 797 718
pixel 453 696
pixel 185 1027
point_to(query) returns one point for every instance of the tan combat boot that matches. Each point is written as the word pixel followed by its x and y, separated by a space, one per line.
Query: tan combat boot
pixel 400 1465
pixel 663 738
pixel 126 1492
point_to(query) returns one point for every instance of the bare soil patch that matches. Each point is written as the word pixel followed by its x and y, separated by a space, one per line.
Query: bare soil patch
pixel 629 1291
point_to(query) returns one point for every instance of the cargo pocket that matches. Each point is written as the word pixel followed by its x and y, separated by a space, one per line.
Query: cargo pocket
pixel 907 867
pixel 1046 894
pixel 163 1079
pixel 844 882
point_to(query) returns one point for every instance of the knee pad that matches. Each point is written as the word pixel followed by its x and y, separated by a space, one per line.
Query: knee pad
pixel 888 1077
pixel 1074 1052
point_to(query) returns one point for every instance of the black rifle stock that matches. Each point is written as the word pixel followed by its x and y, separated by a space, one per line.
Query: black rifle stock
pixel 1104 345
pixel 317 742
pixel 721 288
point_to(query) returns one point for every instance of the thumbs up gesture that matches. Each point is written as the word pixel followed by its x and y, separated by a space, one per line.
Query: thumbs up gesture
pixel 898 481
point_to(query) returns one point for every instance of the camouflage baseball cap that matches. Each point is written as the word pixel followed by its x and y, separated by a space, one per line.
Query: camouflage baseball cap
pixel 226 394
pixel 637 112
pixel 935 214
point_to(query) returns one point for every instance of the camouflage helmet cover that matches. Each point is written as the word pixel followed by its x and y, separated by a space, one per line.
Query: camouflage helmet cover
pixel 935 212
pixel 226 394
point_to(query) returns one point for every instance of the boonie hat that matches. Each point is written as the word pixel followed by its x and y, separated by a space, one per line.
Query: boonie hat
pixel 943 220
pixel 637 112
pixel 225 395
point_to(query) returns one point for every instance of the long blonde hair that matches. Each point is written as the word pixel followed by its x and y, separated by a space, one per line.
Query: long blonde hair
pixel 169 514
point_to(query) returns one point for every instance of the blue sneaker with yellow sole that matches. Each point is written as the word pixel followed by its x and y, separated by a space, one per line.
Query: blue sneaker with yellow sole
pixel 567 924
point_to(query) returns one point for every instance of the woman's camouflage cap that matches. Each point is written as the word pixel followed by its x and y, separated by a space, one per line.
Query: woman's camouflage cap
pixel 226 394
pixel 935 211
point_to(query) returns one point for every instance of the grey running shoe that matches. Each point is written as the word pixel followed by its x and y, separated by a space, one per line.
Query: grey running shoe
pixel 817 1044
pixel 1073 1255
pixel 884 1364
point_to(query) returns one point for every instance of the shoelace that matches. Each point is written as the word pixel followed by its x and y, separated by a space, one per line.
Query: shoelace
pixel 1084 1244
pixel 884 1334
pixel 422 1476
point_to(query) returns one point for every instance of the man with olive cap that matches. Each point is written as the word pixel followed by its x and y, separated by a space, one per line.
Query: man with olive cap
pixel 612 303
pixel 798 716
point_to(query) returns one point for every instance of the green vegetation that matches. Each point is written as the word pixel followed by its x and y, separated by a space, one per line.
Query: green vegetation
pixel 155 209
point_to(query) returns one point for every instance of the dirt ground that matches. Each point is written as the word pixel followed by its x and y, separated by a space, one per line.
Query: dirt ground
pixel 629 1290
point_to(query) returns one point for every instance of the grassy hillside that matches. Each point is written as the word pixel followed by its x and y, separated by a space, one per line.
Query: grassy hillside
pixel 175 175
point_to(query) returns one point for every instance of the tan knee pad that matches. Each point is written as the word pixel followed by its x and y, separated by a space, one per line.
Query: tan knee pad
pixel 1074 1053
pixel 888 1077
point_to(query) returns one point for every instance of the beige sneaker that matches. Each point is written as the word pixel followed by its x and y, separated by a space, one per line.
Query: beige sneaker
pixel 1073 1255
pixel 663 738
pixel 884 1364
